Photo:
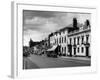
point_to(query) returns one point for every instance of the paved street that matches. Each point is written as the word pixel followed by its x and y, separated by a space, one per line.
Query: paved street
pixel 36 61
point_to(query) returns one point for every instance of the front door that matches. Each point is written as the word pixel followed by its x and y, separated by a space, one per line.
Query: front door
pixel 87 51
pixel 74 51
pixel 70 50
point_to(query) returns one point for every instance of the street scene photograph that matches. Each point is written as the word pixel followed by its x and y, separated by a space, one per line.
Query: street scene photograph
pixel 54 39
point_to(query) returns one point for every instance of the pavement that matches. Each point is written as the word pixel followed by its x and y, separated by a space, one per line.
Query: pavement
pixel 76 58
pixel 85 60
pixel 36 62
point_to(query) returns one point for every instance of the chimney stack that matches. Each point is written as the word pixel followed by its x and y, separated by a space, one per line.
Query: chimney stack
pixel 87 23
pixel 75 23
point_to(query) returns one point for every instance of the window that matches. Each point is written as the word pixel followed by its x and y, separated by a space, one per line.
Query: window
pixel 55 41
pixel 65 49
pixel 62 49
pixel 70 40
pixel 65 39
pixel 59 40
pixel 78 40
pixel 74 40
pixel 78 49
pixel 82 39
pixel 64 32
pixel 87 38
pixel 59 33
pixel 82 49
pixel 62 39
pixel 56 34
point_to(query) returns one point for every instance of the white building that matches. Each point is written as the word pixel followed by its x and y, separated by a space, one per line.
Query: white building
pixel 74 40
pixel 79 42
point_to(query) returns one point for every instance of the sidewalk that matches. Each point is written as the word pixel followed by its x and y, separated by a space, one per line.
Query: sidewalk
pixel 77 58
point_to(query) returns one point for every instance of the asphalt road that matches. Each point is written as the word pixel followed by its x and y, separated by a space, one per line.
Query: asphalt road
pixel 36 62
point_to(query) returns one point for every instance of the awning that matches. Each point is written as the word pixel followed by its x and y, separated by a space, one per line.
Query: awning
pixel 53 48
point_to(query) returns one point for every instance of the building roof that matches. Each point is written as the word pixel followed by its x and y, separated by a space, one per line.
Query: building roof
pixel 71 28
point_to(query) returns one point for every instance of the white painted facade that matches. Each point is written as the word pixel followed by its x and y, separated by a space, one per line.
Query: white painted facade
pixel 80 41
pixel 80 47
pixel 60 38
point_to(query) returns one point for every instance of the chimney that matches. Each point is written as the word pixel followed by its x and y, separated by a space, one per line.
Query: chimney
pixel 87 23
pixel 75 23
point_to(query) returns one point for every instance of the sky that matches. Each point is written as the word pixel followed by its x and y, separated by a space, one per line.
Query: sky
pixel 37 25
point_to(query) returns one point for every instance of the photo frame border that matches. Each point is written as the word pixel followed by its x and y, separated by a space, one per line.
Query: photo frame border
pixel 16 40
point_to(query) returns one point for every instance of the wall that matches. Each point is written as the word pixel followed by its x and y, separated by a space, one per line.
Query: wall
pixel 5 41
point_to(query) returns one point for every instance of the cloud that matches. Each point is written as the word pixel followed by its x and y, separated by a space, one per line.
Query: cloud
pixel 38 24
pixel 34 23
pixel 41 24
pixel 35 20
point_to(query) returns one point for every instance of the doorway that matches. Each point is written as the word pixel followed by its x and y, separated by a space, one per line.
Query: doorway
pixel 87 51
pixel 74 51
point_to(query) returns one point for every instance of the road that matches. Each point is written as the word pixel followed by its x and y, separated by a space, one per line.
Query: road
pixel 36 61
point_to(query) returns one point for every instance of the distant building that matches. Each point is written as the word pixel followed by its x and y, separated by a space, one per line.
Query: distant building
pixel 74 39
pixel 32 43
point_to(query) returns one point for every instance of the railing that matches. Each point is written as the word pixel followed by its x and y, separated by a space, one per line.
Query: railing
pixel 77 31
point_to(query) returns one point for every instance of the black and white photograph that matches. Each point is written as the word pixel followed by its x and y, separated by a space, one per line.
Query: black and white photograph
pixel 54 39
